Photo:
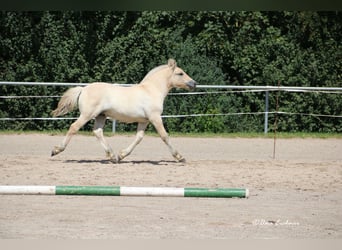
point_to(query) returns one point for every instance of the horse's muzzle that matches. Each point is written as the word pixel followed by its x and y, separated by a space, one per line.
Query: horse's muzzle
pixel 191 84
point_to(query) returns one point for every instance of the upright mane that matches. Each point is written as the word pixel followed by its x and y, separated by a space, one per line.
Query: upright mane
pixel 154 70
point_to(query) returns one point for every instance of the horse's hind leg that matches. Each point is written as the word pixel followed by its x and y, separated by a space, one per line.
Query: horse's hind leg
pixel 98 131
pixel 139 136
pixel 72 130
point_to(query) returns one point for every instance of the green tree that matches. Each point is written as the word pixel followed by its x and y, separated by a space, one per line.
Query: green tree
pixel 225 47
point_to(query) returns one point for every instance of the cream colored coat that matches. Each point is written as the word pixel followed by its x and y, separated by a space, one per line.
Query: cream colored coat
pixel 141 103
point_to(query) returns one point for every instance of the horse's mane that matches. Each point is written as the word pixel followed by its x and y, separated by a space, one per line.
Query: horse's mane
pixel 154 70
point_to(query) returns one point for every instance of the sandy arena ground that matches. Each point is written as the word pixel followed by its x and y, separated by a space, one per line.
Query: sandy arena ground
pixel 297 195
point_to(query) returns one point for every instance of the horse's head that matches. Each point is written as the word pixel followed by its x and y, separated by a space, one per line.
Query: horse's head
pixel 179 79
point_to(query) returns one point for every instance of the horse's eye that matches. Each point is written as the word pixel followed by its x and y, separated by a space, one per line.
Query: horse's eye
pixel 180 73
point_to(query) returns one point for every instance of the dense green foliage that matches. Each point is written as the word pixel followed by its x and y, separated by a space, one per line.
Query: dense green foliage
pixel 235 48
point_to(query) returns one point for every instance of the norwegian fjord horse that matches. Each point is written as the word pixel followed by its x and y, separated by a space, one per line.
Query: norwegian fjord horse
pixel 141 103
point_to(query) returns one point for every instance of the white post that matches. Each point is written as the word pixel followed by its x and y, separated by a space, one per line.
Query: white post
pixel 266 112
pixel 114 126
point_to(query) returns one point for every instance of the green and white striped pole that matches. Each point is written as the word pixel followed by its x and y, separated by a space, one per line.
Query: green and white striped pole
pixel 125 191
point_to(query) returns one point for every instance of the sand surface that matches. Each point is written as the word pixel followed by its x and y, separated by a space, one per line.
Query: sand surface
pixel 298 195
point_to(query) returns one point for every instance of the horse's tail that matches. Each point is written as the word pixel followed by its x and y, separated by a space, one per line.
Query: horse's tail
pixel 68 102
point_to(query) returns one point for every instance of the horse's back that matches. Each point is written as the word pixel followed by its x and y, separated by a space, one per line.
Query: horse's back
pixel 127 104
pixel 100 90
pixel 99 86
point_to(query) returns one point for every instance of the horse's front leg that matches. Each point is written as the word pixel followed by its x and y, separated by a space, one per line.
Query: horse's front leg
pixel 139 136
pixel 158 124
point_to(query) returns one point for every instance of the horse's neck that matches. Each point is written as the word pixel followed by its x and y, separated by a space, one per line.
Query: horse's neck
pixel 156 83
pixel 156 86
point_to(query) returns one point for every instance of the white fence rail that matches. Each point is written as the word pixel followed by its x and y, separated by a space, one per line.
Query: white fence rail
pixel 229 88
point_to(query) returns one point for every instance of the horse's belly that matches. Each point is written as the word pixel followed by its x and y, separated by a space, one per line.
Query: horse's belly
pixel 125 118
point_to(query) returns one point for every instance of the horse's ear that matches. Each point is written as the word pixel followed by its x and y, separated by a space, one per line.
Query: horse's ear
pixel 172 63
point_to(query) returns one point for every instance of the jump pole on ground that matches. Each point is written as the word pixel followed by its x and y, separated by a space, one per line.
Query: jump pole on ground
pixel 125 191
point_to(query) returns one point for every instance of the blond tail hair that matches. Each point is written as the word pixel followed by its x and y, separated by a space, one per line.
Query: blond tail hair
pixel 68 102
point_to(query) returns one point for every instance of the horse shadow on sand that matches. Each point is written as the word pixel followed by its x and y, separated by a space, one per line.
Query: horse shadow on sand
pixel 133 162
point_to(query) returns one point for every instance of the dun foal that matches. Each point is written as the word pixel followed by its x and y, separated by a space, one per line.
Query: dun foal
pixel 141 103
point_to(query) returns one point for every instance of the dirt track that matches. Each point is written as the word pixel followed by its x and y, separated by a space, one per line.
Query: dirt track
pixel 297 195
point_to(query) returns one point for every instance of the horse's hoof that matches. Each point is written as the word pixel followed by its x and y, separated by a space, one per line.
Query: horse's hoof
pixel 182 160
pixel 179 158
pixel 122 154
pixel 55 151
pixel 120 157
pixel 114 160
pixel 111 157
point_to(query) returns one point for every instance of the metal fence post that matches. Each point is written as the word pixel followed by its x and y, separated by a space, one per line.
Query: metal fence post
pixel 114 126
pixel 266 112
